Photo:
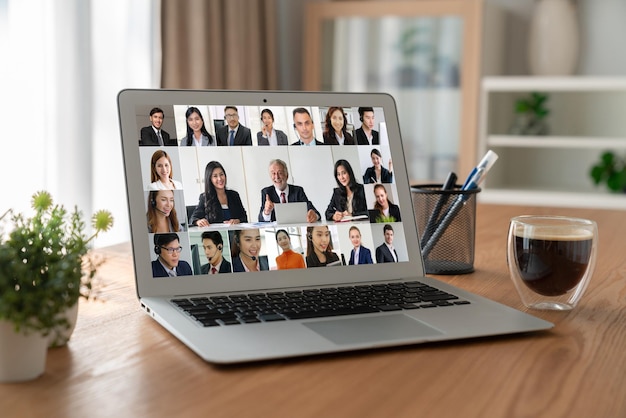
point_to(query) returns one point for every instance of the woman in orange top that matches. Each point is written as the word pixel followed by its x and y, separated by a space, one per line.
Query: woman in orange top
pixel 289 259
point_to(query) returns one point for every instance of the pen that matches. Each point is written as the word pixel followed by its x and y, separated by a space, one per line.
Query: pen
pixel 475 177
pixel 473 181
pixel 431 224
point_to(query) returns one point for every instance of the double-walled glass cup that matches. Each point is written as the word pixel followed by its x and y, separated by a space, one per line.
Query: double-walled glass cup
pixel 551 259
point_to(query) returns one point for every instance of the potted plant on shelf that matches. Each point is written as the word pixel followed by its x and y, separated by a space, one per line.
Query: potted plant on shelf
pixel 611 170
pixel 531 113
pixel 44 269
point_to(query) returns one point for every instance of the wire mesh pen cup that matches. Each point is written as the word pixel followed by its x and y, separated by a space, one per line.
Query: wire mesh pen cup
pixel 446 223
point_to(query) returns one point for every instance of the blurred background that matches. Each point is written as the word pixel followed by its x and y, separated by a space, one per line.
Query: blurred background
pixel 64 62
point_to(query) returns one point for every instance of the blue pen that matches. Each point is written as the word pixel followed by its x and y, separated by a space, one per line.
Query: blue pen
pixel 473 180
pixel 476 175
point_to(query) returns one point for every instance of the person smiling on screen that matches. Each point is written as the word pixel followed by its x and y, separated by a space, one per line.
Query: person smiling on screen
pixel 217 204
pixel 288 259
pixel 348 197
pixel 161 212
pixel 282 192
pixel 248 241
pixel 319 249
pixel 161 172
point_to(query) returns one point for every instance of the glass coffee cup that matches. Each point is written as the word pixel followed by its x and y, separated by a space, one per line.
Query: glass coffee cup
pixel 551 259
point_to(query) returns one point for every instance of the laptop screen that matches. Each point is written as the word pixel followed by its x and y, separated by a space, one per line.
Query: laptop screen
pixel 207 170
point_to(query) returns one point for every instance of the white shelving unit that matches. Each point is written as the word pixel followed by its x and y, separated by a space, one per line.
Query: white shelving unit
pixel 587 117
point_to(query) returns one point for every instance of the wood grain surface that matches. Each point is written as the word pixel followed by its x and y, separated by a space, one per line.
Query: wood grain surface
pixel 121 363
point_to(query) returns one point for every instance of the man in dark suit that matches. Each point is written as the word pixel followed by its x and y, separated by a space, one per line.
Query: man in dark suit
pixel 281 192
pixel 233 133
pixel 385 253
pixel 359 254
pixel 213 245
pixel 249 259
pixel 168 263
pixel 153 135
pixel 303 123
pixel 366 115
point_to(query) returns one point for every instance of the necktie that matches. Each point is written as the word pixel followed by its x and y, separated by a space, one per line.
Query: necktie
pixel 160 137
pixel 282 198
pixel 232 138
pixel 171 273
pixel 213 270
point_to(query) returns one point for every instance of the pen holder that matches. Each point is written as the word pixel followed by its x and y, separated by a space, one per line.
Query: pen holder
pixel 446 222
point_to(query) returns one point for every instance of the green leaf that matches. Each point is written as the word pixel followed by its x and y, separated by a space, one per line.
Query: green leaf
pixel 597 173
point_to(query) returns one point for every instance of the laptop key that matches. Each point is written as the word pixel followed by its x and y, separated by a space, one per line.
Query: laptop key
pixel 271 317
pixel 388 308
pixel 209 323
pixel 230 321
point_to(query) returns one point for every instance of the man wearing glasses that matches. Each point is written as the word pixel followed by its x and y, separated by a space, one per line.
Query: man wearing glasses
pixel 168 264
pixel 233 133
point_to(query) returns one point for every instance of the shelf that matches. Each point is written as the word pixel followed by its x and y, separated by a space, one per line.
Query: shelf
pixel 576 84
pixel 586 118
pixel 601 200
pixel 567 142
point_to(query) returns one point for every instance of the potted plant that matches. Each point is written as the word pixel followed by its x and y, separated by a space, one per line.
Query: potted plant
pixel 44 268
pixel 531 116
pixel 611 170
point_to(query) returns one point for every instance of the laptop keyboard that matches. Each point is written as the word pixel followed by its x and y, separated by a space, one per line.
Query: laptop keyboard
pixel 314 303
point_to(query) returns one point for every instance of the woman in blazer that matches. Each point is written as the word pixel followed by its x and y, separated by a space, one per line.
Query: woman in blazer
pixel 268 135
pixel 218 204
pixel 319 248
pixel 377 173
pixel 348 198
pixel 336 128
pixel 196 131
pixel 384 210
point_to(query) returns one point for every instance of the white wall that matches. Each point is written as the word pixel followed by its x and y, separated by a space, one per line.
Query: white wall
pixel 602 31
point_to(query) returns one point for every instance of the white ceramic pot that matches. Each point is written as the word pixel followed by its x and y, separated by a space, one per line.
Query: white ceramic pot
pixel 553 44
pixel 59 336
pixel 22 356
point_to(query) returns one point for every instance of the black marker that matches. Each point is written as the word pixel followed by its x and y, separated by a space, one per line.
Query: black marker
pixel 431 225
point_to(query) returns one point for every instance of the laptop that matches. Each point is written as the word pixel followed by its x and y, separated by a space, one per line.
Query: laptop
pixel 291 213
pixel 257 292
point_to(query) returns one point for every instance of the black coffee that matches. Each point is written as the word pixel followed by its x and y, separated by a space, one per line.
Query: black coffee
pixel 553 266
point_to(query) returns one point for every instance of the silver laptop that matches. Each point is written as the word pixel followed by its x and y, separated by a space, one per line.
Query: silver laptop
pixel 291 213
pixel 237 286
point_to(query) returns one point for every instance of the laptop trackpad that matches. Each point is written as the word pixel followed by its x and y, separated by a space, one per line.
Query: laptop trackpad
pixel 372 329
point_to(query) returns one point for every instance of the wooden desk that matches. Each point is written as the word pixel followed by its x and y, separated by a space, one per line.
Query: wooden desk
pixel 122 363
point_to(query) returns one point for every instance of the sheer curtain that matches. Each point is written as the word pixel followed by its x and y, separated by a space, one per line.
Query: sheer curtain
pixel 63 64
pixel 220 44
